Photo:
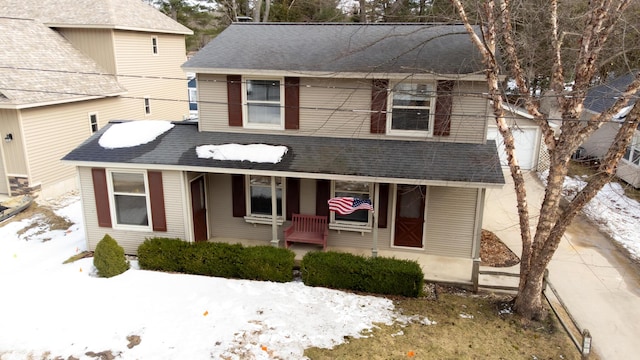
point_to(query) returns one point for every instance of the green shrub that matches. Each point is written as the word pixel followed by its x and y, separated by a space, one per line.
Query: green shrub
pixel 351 272
pixel 213 259
pixel 109 259
pixel 267 263
pixel 163 254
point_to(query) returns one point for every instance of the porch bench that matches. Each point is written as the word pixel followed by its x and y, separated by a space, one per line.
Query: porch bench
pixel 309 229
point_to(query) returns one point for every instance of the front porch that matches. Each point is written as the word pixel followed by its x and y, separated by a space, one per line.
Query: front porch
pixel 443 269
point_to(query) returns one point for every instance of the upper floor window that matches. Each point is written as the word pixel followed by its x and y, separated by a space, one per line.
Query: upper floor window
pixel 93 122
pixel 129 198
pixel 154 45
pixel 632 154
pixel 355 189
pixel 147 106
pixel 263 99
pixel 411 108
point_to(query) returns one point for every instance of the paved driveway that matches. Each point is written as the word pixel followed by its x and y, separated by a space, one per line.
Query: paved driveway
pixel 599 285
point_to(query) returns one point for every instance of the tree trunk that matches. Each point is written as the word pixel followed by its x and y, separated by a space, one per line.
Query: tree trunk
pixel 529 300
pixel 363 13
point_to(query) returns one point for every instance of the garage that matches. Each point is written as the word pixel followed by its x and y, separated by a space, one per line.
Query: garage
pixel 526 142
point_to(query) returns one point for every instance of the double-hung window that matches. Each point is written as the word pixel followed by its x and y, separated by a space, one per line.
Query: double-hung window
pixel 129 198
pixel 154 45
pixel 411 110
pixel 632 154
pixel 93 122
pixel 147 106
pixel 358 218
pixel 259 199
pixel 263 99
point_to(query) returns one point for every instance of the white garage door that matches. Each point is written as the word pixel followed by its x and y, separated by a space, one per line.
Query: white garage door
pixel 526 146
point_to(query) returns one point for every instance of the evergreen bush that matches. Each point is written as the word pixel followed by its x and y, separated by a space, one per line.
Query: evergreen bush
pixel 108 258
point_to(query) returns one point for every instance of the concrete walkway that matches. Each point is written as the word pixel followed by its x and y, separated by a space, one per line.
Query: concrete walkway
pixel 599 285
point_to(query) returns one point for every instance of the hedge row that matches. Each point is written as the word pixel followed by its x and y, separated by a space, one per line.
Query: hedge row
pixel 265 263
pixel 377 275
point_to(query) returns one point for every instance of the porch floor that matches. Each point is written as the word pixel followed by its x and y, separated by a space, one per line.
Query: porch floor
pixel 436 268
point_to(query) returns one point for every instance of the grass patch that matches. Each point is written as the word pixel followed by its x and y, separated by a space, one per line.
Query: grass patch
pixel 467 326
pixel 584 169
pixel 43 219
pixel 76 257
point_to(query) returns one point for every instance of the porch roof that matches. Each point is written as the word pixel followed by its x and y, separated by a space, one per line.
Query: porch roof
pixel 392 161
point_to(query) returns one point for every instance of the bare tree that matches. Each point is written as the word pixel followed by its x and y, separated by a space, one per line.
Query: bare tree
pixel 497 27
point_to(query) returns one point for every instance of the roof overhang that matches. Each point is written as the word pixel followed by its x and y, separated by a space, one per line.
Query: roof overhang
pixel 118 27
pixel 57 102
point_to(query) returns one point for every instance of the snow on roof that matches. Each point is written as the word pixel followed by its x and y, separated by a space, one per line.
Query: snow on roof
pixel 133 133
pixel 259 153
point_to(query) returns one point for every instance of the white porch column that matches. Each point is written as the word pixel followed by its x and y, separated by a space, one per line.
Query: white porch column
pixel 274 213
pixel 376 209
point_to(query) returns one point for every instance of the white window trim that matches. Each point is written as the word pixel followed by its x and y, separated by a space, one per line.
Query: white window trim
pixel 342 225
pixel 147 105
pixel 414 133
pixel 634 145
pixel 112 204
pixel 193 95
pixel 89 115
pixel 155 46
pixel 245 109
pixel 261 218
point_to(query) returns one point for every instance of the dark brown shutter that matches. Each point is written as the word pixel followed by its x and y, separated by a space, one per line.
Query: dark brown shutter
pixel 293 197
pixel 234 99
pixel 379 106
pixel 101 195
pixel 238 196
pixel 323 192
pixel 383 208
pixel 292 103
pixel 444 101
pixel 156 197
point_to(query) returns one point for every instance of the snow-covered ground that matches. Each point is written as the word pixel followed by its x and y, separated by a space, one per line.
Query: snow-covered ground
pixel 48 309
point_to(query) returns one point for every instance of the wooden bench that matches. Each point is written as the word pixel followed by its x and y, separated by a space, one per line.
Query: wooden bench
pixel 309 229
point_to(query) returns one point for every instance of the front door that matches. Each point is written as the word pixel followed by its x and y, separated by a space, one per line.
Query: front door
pixel 199 209
pixel 409 222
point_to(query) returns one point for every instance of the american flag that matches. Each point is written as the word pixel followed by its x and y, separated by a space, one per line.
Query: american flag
pixel 347 205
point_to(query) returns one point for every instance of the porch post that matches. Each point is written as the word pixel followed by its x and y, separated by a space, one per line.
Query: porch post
pixel 274 213
pixel 376 209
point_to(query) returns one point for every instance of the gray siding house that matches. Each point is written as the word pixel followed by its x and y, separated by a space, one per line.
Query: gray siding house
pixel 392 113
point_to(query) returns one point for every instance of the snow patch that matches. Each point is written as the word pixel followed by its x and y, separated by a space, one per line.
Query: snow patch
pixel 133 133
pixel 258 153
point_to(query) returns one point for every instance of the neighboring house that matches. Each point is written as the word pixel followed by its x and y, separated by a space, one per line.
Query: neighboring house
pixel 385 112
pixel 600 99
pixel 530 149
pixel 69 67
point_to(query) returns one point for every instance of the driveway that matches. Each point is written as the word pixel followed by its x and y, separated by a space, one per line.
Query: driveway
pixel 599 285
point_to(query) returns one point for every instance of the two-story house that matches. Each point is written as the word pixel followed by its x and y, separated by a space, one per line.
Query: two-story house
pixel 67 68
pixel 292 115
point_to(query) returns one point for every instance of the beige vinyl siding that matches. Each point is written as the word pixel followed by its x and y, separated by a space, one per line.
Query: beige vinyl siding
pixel 4 185
pixel 14 157
pixel 158 77
pixel 95 43
pixel 629 173
pixel 130 240
pixel 451 214
pixel 341 108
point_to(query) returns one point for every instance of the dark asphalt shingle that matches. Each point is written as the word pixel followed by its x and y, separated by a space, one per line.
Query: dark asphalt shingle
pixel 326 156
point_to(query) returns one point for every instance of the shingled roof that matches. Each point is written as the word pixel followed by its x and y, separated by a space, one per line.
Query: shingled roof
pixel 112 14
pixel 38 66
pixel 325 157
pixel 341 48
pixel 602 97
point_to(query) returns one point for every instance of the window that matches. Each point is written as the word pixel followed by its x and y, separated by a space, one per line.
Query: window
pixel 129 198
pixel 361 190
pixel 193 99
pixel 147 106
pixel 259 199
pixel 632 154
pixel 93 122
pixel 154 45
pixel 263 107
pixel 411 112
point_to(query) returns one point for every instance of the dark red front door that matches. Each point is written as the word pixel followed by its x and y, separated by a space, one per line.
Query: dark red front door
pixel 199 209
pixel 409 222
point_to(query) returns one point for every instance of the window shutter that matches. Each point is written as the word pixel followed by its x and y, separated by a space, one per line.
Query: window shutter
pixel 101 195
pixel 379 106
pixel 383 208
pixel 238 196
pixel 292 103
pixel 442 117
pixel 293 197
pixel 323 192
pixel 234 99
pixel 156 197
